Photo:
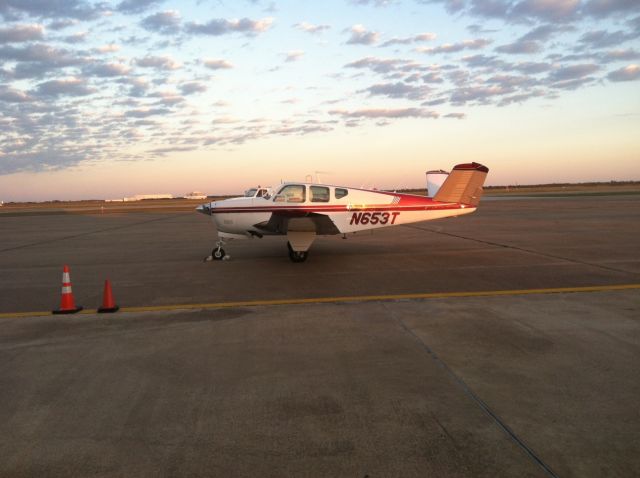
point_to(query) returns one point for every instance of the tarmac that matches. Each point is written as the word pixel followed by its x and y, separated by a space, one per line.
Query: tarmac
pixel 504 343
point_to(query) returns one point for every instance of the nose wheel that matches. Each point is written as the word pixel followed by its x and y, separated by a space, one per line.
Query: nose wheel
pixel 218 253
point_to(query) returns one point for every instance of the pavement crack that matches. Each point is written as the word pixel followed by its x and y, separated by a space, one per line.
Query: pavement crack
pixel 474 397
pixel 83 234
pixel 521 249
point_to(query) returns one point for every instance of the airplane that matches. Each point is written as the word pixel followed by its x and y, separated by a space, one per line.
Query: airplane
pixel 301 211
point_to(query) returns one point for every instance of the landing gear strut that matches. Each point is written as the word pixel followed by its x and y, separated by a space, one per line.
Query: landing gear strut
pixel 297 256
pixel 217 253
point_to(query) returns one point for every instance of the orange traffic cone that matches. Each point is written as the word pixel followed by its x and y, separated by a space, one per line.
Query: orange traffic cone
pixel 67 304
pixel 108 304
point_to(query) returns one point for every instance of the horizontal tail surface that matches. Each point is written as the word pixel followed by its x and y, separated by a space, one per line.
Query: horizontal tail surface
pixel 463 185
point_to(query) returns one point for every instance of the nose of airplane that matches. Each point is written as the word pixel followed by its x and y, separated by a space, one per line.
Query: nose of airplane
pixel 204 209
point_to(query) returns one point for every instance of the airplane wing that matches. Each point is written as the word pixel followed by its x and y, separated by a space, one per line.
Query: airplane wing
pixel 285 221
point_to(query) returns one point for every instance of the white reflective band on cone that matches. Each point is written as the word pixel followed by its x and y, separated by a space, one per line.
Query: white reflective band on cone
pixel 65 277
pixel 66 289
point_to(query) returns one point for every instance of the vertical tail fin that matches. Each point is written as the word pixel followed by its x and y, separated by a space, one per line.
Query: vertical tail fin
pixel 463 185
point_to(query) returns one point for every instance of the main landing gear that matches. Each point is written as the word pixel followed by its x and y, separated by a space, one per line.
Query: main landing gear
pixel 297 256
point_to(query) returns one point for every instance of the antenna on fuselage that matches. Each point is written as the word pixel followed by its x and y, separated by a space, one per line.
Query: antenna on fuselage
pixel 318 173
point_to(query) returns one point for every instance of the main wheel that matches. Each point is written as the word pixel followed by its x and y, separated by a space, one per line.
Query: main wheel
pixel 298 256
pixel 218 253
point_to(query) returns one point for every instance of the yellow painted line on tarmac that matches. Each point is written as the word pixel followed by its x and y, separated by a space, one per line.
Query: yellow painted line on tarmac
pixel 356 298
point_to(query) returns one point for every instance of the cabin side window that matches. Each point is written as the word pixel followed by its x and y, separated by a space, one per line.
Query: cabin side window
pixel 291 193
pixel 340 193
pixel 319 194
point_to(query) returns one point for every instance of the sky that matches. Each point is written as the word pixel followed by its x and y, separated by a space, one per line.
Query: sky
pixel 106 99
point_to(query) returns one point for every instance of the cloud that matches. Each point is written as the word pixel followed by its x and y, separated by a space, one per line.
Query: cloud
pixel 528 11
pixel 532 42
pixel 36 60
pixel 165 23
pixel 158 62
pixel 311 28
pixel 480 94
pixel 217 64
pixel 520 98
pixel 489 8
pixel 146 112
pixel 106 70
pixel 476 44
pixel 221 26
pixel 361 36
pixel 193 87
pixel 397 90
pixel 111 48
pixel 375 3
pixel 455 115
pixel 520 47
pixel 64 87
pixel 532 68
pixel 621 55
pixel 137 6
pixel 379 65
pixel 412 39
pixel 21 33
pixel 484 61
pixel 61 24
pixel 573 72
pixel 547 10
pixel 138 87
pixel 603 8
pixel 628 73
pixel 56 9
pixel 294 55
pixel 39 52
pixel 78 37
pixel 11 95
pixel 544 33
pixel 386 113
pixel 603 38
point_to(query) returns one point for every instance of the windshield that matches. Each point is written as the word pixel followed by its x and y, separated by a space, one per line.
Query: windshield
pixel 249 193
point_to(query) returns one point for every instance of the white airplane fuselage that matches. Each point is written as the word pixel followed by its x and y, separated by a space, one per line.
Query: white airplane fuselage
pixel 359 210
pixel 303 210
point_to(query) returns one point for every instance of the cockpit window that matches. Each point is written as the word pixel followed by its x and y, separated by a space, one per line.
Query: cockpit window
pixel 319 194
pixel 340 193
pixel 291 193
pixel 249 193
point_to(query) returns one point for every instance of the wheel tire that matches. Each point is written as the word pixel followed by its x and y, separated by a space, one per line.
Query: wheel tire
pixel 218 254
pixel 298 256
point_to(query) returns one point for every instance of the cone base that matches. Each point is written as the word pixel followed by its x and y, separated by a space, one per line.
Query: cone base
pixel 104 310
pixel 67 311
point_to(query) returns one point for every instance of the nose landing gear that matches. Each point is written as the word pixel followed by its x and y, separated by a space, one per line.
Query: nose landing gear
pixel 218 253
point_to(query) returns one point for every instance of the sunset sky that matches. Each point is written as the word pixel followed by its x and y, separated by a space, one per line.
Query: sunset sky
pixel 116 98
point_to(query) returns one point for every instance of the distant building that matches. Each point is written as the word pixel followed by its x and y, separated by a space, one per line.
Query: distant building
pixel 140 197
pixel 195 195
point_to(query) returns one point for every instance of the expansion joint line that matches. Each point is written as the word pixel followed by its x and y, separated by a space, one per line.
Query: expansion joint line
pixel 83 234
pixel 476 399
pixel 521 249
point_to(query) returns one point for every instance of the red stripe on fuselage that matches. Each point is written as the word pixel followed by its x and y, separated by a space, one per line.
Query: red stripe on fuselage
pixel 342 208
